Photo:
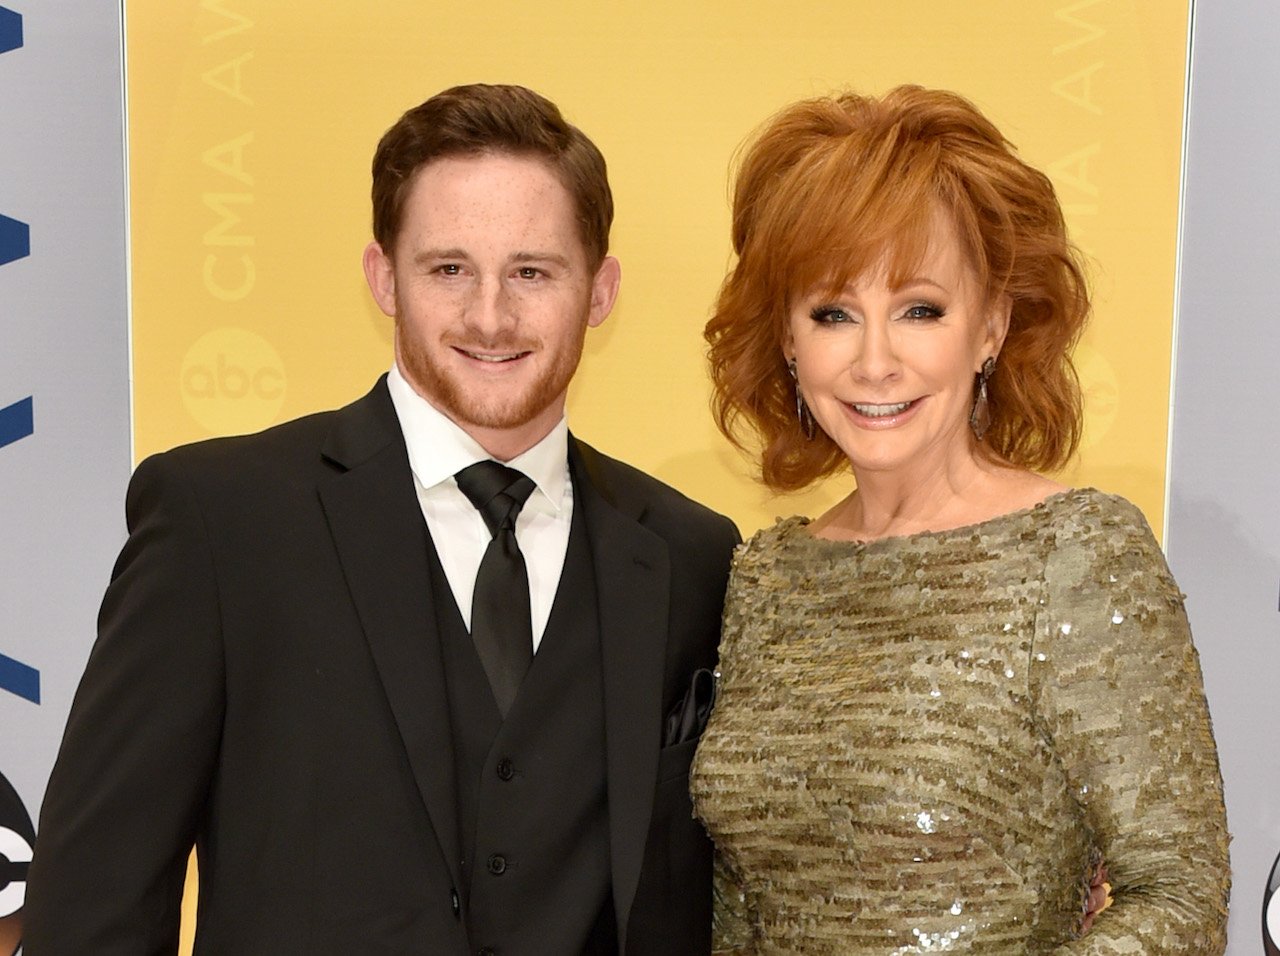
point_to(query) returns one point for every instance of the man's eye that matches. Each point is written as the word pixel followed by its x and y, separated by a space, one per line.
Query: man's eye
pixel 450 269
pixel 528 272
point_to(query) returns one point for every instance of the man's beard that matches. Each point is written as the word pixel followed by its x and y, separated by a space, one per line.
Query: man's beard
pixel 496 408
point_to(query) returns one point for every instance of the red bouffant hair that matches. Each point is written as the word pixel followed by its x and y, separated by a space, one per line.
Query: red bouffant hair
pixel 835 186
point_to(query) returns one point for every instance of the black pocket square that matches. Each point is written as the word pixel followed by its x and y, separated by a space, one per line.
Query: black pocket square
pixel 689 717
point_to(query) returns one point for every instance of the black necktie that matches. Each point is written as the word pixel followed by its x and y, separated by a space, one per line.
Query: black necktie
pixel 500 623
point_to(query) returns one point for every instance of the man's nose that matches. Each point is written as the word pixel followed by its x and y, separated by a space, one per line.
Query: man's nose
pixel 491 308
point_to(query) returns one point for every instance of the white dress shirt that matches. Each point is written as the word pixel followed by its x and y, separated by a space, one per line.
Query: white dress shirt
pixel 438 450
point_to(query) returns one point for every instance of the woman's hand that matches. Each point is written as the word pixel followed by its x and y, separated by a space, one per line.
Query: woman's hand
pixel 1099 897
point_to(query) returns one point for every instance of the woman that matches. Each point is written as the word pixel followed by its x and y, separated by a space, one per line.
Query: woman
pixel 944 701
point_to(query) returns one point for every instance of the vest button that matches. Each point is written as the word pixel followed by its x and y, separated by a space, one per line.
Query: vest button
pixel 497 864
pixel 455 902
pixel 506 769
pixel 486 951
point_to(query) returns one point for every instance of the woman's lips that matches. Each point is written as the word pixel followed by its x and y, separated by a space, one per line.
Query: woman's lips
pixel 882 414
pixel 880 411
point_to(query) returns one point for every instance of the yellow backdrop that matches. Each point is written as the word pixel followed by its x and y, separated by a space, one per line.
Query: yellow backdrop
pixel 251 126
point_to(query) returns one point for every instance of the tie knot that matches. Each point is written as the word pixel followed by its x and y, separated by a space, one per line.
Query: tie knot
pixel 498 492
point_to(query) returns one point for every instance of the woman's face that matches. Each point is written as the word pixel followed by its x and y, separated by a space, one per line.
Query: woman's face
pixel 888 372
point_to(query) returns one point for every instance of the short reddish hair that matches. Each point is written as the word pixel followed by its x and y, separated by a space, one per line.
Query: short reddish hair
pixel 483 118
pixel 830 188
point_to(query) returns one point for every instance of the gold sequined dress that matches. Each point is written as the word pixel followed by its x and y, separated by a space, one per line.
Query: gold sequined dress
pixel 924 744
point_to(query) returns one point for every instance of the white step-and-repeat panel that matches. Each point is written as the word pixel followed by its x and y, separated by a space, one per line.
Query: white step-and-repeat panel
pixel 1223 532
pixel 64 385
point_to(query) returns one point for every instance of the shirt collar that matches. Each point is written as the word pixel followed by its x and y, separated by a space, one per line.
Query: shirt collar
pixel 439 448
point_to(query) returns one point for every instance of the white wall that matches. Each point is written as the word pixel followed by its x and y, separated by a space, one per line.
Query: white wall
pixel 64 355
pixel 1223 534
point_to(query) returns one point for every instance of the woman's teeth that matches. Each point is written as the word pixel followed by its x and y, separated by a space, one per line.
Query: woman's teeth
pixel 881 411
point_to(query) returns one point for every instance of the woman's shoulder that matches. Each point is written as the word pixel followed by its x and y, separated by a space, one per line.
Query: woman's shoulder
pixel 775 536
pixel 1093 504
pixel 1087 515
pixel 767 545
pixel 1106 539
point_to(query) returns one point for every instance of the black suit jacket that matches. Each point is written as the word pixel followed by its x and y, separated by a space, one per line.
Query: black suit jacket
pixel 267 684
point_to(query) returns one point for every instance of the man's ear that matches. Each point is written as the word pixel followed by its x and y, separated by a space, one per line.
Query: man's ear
pixel 604 290
pixel 380 275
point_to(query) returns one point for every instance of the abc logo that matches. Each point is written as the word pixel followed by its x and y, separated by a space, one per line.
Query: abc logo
pixel 233 381
pixel 1271 913
pixel 16 838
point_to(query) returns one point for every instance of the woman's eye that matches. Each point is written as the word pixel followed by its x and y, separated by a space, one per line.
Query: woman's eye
pixel 829 314
pixel 923 312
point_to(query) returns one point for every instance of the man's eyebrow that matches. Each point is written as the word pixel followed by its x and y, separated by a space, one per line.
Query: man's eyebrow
pixel 542 257
pixel 431 255
pixel 424 256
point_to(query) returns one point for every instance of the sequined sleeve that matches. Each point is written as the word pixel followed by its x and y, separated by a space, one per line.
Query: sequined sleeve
pixel 1117 688
pixel 731 928
pixel 731 921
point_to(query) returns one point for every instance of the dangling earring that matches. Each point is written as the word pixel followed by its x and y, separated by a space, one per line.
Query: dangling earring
pixel 803 415
pixel 980 415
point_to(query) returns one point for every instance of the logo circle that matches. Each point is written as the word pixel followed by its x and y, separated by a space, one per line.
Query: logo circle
pixel 17 837
pixel 232 381
pixel 1271 912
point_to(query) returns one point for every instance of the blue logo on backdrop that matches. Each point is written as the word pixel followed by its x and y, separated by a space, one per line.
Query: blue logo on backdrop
pixel 17 421
pixel 15 240
pixel 19 679
pixel 10 30
pixel 15 236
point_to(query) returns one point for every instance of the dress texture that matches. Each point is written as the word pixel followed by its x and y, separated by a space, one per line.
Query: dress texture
pixel 925 744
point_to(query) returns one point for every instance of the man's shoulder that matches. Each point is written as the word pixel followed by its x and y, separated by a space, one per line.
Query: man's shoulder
pixel 298 445
pixel 307 432
pixel 243 464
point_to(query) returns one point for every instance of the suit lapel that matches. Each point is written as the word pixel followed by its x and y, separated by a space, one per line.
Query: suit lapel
pixel 381 539
pixel 633 583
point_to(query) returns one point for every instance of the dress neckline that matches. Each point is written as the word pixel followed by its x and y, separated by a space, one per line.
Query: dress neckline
pixel 796 526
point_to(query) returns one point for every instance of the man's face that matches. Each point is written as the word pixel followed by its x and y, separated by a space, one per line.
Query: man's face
pixel 492 293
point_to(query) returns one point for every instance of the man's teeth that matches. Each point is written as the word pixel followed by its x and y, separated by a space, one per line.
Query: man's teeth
pixel 880 411
pixel 495 358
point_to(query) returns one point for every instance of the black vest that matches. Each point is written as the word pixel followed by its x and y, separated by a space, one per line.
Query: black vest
pixel 532 814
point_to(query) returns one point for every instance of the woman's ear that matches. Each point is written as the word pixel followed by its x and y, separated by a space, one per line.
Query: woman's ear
pixel 998 324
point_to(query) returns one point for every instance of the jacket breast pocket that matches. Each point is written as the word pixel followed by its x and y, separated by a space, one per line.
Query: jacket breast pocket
pixel 674 761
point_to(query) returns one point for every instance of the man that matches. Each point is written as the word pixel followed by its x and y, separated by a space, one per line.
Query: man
pixel 284 674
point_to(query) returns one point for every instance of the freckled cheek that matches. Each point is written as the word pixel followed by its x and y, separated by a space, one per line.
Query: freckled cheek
pixel 513 296
pixel 435 312
pixel 541 304
pixel 447 301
